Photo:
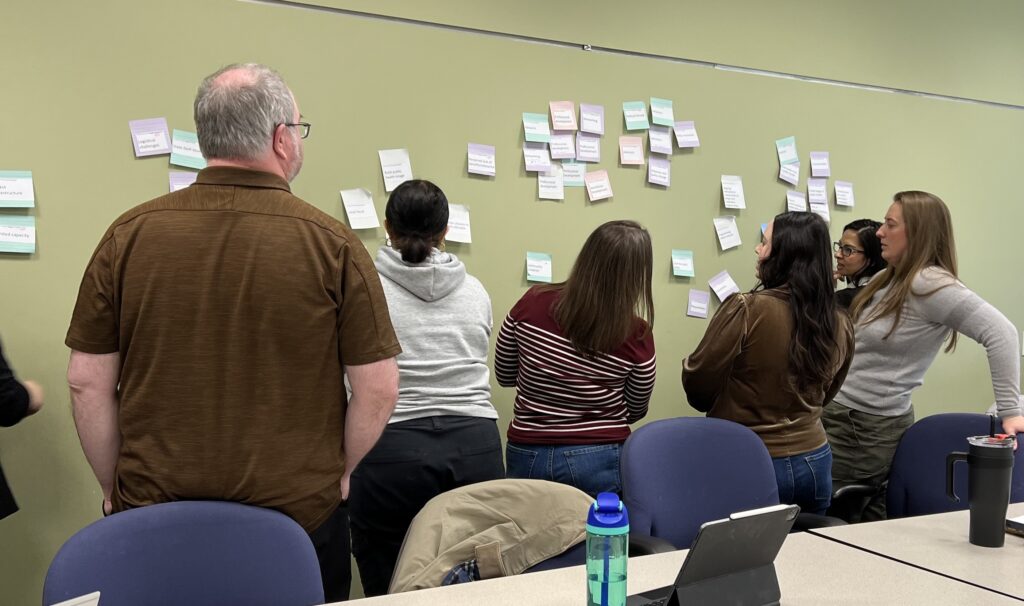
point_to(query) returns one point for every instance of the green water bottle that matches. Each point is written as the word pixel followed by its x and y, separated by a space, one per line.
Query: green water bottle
pixel 607 551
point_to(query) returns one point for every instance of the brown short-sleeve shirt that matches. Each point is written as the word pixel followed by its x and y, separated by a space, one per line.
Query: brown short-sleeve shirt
pixel 234 306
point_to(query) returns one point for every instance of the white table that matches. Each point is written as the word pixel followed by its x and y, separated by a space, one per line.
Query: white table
pixel 938 543
pixel 812 570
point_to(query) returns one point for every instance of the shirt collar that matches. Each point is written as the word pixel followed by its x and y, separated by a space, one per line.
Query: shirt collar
pixel 231 175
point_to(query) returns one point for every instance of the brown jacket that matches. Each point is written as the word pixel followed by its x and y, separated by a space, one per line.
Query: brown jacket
pixel 740 372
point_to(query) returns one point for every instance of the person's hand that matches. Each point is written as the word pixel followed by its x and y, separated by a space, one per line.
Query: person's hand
pixel 1014 425
pixel 344 486
pixel 35 396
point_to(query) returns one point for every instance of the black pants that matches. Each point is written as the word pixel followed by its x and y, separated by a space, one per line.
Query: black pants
pixel 413 462
pixel 332 549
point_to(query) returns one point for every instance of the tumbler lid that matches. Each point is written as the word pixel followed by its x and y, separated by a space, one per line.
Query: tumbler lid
pixel 1000 440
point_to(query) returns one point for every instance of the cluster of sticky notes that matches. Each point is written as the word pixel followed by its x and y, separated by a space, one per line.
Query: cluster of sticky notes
pixel 816 199
pixel 660 128
pixel 558 135
pixel 17 232
pixel 152 137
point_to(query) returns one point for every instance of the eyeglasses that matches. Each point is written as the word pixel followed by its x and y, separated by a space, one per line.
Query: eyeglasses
pixel 305 128
pixel 845 250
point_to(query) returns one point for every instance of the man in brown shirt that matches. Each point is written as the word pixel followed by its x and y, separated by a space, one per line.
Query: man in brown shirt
pixel 214 328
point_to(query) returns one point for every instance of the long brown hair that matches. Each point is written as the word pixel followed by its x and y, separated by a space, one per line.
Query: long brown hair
pixel 608 290
pixel 801 260
pixel 929 233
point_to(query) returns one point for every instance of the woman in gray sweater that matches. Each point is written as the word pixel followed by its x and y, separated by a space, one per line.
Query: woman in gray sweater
pixel 902 317
pixel 442 434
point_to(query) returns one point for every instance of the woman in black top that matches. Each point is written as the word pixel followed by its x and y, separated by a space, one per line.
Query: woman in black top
pixel 858 257
pixel 17 401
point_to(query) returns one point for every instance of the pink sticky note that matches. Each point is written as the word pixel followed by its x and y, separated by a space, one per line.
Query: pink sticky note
pixel 599 186
pixel 631 150
pixel 563 115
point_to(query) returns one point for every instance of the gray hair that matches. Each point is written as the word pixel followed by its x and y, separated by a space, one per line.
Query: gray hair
pixel 235 120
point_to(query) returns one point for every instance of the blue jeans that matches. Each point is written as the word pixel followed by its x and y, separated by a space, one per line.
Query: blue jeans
pixel 592 468
pixel 806 479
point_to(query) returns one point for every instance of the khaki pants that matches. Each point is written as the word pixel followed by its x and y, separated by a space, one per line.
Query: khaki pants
pixel 863 445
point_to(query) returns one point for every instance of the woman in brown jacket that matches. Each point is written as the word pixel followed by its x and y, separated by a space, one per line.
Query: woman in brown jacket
pixel 771 358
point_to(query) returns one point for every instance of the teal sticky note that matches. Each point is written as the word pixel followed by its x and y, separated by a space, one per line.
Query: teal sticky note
pixel 574 174
pixel 538 267
pixel 535 127
pixel 661 112
pixel 682 263
pixel 16 189
pixel 185 150
pixel 17 234
pixel 786 148
pixel 636 115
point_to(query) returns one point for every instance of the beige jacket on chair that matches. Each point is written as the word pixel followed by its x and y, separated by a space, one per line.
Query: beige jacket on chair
pixel 506 525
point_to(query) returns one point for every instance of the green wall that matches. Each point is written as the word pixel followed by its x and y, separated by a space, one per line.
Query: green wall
pixel 77 72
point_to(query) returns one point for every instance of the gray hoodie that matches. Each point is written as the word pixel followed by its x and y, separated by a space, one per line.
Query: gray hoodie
pixel 442 317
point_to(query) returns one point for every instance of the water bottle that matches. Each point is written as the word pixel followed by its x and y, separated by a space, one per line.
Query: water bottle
pixel 607 550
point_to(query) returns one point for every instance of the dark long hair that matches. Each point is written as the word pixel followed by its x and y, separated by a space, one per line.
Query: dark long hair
pixel 801 259
pixel 607 297
pixel 417 214
pixel 867 234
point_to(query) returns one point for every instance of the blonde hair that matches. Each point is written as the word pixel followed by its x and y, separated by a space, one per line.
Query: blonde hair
pixel 929 233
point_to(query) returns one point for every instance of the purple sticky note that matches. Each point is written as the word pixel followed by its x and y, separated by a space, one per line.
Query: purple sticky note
pixel 537 156
pixel 820 166
pixel 150 137
pixel 181 179
pixel 699 302
pixel 659 171
pixel 588 147
pixel 480 159
pixel 592 118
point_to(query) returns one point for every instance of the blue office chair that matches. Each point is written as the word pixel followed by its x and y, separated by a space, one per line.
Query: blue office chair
pixel 917 479
pixel 189 552
pixel 679 473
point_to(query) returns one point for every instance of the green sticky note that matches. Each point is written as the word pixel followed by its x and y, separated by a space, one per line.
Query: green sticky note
pixel 682 263
pixel 574 174
pixel 17 234
pixel 185 150
pixel 636 115
pixel 786 148
pixel 538 267
pixel 536 128
pixel 661 112
pixel 16 189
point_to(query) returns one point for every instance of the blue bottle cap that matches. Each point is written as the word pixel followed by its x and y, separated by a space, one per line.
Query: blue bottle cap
pixel 608 515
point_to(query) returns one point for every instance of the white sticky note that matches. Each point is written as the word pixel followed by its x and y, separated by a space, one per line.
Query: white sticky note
pixel 588 147
pixel 17 189
pixel 732 191
pixel 562 146
pixel 480 159
pixel 359 208
pixel 592 118
pixel 574 174
pixel 563 115
pixel 822 211
pixel 659 171
pixel 395 166
pixel 538 267
pixel 631 150
pixel 723 285
pixel 599 186
pixel 458 224
pixel 844 193
pixel 660 139
pixel 550 185
pixel 686 134
pixel 820 165
pixel 817 191
pixel 537 157
pixel 796 201
pixel 89 599
pixel 790 173
pixel 728 234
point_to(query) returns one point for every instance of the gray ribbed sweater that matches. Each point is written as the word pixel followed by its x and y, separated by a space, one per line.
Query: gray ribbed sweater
pixel 885 371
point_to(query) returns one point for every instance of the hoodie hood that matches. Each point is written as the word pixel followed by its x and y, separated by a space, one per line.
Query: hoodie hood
pixel 433 279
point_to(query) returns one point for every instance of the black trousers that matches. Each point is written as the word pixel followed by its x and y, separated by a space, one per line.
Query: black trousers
pixel 413 462
pixel 331 541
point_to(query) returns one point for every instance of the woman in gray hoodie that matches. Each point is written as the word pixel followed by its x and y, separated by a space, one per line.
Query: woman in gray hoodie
pixel 442 434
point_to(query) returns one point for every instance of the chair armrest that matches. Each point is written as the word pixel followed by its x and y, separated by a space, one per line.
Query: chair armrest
pixel 808 521
pixel 854 491
pixel 643 544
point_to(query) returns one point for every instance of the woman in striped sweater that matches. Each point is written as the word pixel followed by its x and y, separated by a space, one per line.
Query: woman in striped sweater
pixel 581 357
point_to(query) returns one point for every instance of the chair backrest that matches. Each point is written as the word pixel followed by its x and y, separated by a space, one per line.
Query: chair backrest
pixel 679 473
pixel 917 479
pixel 188 552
